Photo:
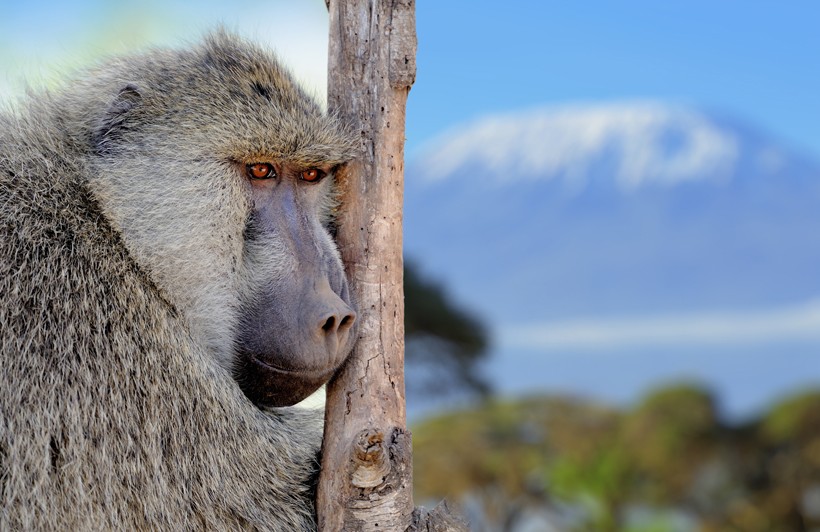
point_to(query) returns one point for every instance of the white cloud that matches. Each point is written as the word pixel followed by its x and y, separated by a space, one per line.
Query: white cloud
pixel 797 322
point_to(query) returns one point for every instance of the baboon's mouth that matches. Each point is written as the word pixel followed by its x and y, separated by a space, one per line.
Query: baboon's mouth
pixel 271 386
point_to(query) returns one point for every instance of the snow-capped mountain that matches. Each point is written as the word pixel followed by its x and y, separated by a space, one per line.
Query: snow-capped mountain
pixel 630 145
pixel 586 218
pixel 611 209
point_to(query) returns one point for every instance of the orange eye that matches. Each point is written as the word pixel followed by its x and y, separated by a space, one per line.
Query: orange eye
pixel 312 174
pixel 261 171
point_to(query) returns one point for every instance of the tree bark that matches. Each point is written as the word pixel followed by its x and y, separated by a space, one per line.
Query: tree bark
pixel 366 478
pixel 366 482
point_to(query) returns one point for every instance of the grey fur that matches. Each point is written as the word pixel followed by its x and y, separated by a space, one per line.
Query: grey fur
pixel 122 268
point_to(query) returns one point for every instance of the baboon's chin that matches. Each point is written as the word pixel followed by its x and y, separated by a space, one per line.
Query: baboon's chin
pixel 269 386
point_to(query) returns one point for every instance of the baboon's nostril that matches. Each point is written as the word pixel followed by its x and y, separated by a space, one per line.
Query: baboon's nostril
pixel 329 324
pixel 347 321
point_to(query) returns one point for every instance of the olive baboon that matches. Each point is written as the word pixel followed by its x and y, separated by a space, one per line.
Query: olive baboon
pixel 162 251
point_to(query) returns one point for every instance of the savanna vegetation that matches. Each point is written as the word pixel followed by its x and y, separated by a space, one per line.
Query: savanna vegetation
pixel 669 463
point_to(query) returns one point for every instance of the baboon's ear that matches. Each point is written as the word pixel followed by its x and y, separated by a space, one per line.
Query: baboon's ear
pixel 115 120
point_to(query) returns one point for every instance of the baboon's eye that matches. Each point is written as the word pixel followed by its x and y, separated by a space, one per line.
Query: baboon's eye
pixel 312 174
pixel 261 171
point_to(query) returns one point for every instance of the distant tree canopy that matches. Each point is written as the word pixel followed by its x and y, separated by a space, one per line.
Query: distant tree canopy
pixel 447 340
pixel 604 468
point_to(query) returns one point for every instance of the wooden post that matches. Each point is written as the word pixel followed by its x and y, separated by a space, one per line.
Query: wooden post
pixel 366 478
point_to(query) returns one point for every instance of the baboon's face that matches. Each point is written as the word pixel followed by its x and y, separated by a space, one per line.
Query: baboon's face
pixel 296 327
pixel 220 180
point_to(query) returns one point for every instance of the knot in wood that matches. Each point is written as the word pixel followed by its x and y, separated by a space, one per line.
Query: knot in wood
pixel 371 459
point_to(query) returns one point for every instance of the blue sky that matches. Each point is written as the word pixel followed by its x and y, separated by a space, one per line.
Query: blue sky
pixel 756 60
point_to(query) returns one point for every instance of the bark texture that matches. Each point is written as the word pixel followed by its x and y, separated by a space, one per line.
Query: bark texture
pixel 366 480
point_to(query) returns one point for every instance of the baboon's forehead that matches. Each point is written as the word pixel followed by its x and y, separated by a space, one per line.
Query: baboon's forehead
pixel 239 98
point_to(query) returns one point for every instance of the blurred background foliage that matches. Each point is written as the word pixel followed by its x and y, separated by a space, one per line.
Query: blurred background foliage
pixel 444 342
pixel 669 463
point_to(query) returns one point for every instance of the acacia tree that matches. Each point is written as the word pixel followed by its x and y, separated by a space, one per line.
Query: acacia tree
pixel 366 477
